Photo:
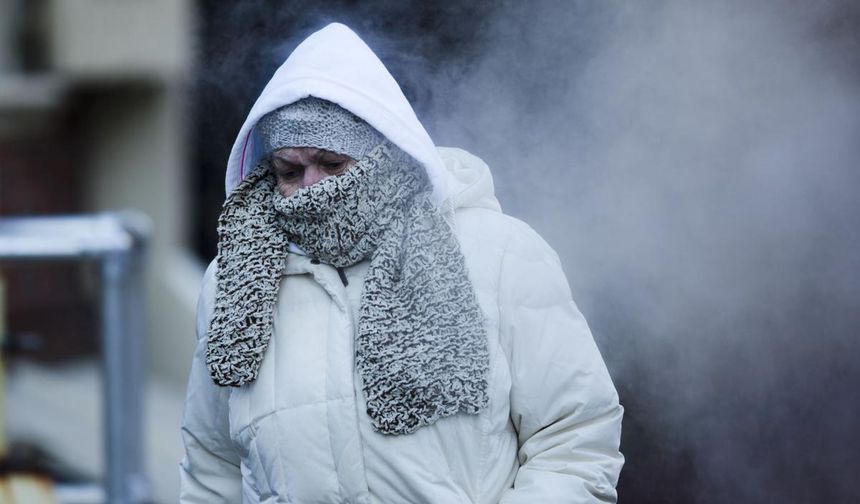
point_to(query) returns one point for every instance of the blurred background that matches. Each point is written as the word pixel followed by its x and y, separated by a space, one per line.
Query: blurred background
pixel 695 165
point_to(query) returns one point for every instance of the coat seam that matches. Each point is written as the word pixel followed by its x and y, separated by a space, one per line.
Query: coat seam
pixel 275 411
pixel 279 449
pixel 499 310
pixel 356 382
pixel 337 478
pixel 486 431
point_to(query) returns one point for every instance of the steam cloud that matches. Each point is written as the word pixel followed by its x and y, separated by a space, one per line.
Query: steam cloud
pixel 695 165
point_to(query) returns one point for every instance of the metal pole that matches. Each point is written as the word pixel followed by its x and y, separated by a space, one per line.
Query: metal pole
pixel 116 242
pixel 134 358
pixel 123 373
pixel 113 272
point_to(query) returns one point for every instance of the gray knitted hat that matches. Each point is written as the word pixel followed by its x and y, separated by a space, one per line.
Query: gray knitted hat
pixel 314 122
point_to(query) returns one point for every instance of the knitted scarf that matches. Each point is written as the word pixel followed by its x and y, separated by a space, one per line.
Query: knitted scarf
pixel 421 346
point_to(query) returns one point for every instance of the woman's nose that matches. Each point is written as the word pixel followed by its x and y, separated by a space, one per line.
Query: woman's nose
pixel 312 175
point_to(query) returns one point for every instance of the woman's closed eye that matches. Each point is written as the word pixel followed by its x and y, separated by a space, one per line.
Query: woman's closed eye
pixel 334 165
pixel 289 171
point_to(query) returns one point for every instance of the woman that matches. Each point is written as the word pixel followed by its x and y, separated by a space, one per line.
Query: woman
pixel 374 329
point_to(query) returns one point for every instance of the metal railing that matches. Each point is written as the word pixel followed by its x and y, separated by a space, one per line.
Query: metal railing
pixel 116 243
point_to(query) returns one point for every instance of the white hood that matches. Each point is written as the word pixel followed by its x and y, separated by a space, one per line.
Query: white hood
pixel 471 183
pixel 336 65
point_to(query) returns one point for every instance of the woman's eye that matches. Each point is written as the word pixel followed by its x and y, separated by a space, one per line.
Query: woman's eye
pixel 333 165
pixel 289 174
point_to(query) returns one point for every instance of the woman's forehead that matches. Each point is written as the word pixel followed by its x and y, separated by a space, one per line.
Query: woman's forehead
pixel 304 154
pixel 295 153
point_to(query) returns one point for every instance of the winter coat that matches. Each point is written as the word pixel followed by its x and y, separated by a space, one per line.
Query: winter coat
pixel 300 433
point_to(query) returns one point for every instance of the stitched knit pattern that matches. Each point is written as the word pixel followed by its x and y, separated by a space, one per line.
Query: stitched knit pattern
pixel 314 122
pixel 252 255
pixel 421 344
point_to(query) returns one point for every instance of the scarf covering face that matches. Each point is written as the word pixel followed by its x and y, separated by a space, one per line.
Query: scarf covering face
pixel 421 345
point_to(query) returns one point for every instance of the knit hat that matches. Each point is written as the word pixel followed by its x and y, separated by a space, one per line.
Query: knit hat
pixel 314 122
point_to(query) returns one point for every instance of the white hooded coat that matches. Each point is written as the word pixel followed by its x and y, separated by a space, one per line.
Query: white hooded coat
pixel 300 433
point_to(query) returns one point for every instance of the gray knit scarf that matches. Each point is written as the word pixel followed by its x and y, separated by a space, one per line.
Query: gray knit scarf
pixel 421 345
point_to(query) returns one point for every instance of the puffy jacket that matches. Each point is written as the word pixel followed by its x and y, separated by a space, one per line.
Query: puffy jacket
pixel 300 433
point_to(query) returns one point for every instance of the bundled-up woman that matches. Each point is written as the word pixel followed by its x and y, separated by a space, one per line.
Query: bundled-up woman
pixel 374 328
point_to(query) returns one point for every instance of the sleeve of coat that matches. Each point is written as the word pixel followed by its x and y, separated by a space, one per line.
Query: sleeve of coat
pixel 563 403
pixel 209 472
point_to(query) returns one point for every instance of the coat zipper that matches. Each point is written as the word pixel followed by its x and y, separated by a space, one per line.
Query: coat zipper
pixel 342 275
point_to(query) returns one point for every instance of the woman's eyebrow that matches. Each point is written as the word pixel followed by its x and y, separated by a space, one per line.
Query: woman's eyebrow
pixel 323 155
pixel 286 158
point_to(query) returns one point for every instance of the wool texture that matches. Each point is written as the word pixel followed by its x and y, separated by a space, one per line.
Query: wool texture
pixel 421 345
pixel 314 122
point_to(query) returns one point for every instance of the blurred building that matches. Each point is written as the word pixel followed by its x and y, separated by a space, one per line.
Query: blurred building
pixel 93 113
pixel 94 117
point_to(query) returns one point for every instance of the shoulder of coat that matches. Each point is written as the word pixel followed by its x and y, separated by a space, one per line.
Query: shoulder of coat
pixel 496 228
pixel 482 227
